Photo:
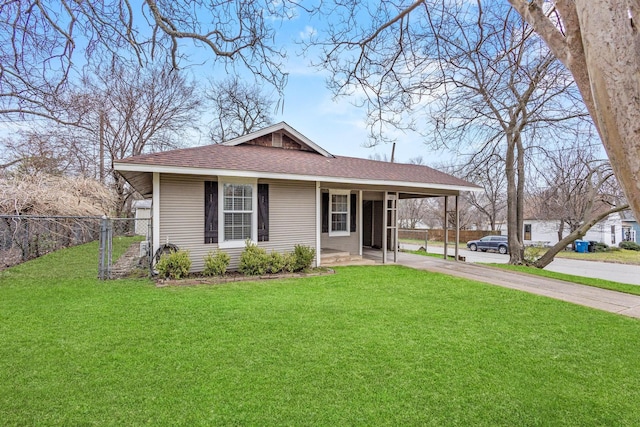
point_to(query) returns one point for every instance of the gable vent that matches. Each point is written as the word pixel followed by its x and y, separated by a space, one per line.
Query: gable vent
pixel 276 139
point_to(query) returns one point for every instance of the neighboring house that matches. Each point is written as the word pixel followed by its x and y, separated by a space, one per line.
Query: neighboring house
pixel 142 212
pixel 630 228
pixel 609 231
pixel 278 189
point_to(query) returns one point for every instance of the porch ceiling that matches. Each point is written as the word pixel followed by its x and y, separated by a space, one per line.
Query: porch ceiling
pixel 141 181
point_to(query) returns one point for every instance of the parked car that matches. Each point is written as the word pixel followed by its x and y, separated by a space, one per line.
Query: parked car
pixel 494 243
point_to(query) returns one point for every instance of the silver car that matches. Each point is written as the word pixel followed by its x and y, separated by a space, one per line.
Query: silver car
pixel 493 243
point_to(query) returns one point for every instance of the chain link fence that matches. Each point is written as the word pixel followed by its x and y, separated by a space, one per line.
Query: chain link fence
pixel 138 255
pixel 24 237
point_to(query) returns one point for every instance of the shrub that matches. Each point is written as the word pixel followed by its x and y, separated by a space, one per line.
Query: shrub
pixel 303 257
pixel 254 261
pixel 174 265
pixel 276 262
pixel 216 264
pixel 631 246
pixel 533 253
pixel 289 262
pixel 600 247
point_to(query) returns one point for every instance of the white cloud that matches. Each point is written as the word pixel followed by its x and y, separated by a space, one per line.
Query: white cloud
pixel 308 32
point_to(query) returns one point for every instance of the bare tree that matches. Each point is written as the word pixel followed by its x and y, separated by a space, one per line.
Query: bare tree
pixel 578 191
pixel 120 112
pixel 599 42
pixel 238 108
pixel 491 203
pixel 43 42
pixel 412 212
pixel 135 112
pixel 471 71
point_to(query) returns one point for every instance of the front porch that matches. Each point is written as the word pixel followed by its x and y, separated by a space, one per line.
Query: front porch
pixel 369 221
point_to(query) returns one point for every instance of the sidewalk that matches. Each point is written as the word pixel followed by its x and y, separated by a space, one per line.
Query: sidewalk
pixel 601 299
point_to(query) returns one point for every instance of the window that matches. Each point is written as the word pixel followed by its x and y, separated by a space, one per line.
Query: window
pixel 243 210
pixel 527 232
pixel 339 213
pixel 613 234
pixel 238 211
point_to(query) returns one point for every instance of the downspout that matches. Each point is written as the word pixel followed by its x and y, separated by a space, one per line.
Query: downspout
pixel 155 204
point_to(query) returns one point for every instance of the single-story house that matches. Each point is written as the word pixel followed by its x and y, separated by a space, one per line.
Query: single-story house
pixel 278 189
pixel 630 227
pixel 609 231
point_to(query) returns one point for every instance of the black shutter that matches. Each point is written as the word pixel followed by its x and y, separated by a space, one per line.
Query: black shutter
pixel 263 212
pixel 211 212
pixel 354 217
pixel 325 212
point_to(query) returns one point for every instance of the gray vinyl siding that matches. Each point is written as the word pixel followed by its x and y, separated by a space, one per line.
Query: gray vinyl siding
pixel 182 215
pixel 350 243
pixel 292 216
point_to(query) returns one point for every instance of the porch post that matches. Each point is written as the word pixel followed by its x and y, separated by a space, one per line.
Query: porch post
pixel 457 225
pixel 385 200
pixel 318 222
pixel 360 220
pixel 395 226
pixel 446 225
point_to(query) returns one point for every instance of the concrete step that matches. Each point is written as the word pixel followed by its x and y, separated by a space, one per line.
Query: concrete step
pixel 334 259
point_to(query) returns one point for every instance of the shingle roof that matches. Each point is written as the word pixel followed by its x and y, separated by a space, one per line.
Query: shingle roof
pixel 291 162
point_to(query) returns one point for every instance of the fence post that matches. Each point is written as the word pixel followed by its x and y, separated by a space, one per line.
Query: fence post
pixel 109 247
pixel 426 240
pixel 102 257
pixel 25 242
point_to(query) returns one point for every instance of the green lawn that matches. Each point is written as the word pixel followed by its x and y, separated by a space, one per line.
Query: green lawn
pixel 382 345
pixel 622 256
pixel 589 281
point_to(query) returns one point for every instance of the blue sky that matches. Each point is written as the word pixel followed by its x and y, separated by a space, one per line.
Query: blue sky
pixel 336 125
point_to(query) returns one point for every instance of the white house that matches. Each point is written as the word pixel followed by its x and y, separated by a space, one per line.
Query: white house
pixel 545 231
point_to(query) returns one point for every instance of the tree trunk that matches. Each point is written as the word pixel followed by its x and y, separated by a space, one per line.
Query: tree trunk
pixel 549 256
pixel 513 231
pixel 601 48
pixel 612 49
pixel 561 229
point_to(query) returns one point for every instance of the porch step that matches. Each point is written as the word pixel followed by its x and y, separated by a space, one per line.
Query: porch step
pixel 334 259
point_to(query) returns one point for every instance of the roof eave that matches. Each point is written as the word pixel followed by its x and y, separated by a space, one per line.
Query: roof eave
pixel 132 167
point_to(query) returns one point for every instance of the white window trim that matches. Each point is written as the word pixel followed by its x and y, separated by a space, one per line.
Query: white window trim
pixel 348 231
pixel 229 244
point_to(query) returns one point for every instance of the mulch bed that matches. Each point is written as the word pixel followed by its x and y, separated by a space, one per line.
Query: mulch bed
pixel 235 276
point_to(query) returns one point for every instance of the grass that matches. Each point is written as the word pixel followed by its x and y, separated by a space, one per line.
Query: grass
pixel 382 345
pixel 622 256
pixel 589 281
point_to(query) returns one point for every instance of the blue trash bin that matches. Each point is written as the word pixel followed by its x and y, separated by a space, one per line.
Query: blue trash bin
pixel 582 246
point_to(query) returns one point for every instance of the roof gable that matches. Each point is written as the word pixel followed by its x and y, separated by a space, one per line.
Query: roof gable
pixel 280 135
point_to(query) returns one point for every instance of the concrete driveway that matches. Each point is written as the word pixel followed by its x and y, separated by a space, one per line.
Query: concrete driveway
pixel 622 273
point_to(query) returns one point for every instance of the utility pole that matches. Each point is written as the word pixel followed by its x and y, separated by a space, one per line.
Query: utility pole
pixel 101 146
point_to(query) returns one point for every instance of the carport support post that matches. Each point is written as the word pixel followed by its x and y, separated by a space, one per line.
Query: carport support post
pixel 457 226
pixel 446 225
